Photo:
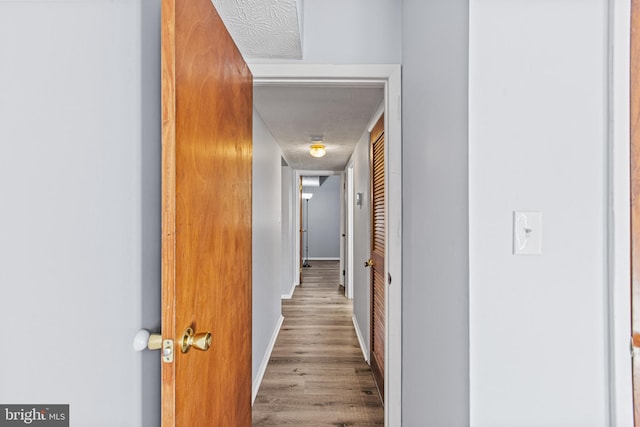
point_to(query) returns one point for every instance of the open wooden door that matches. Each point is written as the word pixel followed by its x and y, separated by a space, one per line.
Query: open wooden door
pixel 376 262
pixel 206 219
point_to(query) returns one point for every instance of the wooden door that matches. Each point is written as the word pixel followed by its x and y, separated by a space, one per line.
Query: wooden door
pixel 635 202
pixel 376 262
pixel 206 217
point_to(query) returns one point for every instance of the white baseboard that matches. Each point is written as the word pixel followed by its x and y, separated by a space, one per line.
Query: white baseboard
pixel 265 361
pixel 363 347
pixel 324 259
pixel 290 294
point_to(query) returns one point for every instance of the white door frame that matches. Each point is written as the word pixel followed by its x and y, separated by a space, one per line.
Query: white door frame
pixel 297 206
pixel 343 232
pixel 388 77
pixel 349 206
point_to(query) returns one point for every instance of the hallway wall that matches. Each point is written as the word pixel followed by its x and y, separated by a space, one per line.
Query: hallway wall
pixel 435 250
pixel 362 240
pixel 289 254
pixel 266 234
pixel 324 219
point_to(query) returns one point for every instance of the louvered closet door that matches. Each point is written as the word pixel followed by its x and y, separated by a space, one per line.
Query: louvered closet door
pixel 378 221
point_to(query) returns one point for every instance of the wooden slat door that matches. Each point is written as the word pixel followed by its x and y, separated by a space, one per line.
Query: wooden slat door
pixel 635 201
pixel 378 233
pixel 206 224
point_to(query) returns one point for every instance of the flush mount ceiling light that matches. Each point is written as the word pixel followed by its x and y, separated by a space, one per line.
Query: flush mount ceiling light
pixel 317 150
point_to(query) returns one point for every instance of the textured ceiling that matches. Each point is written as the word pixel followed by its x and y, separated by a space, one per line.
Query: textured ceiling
pixel 263 28
pixel 297 114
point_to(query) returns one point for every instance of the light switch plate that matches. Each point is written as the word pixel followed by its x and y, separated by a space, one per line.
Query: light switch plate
pixel 527 233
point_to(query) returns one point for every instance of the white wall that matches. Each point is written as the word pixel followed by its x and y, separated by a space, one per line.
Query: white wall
pixel 354 31
pixel 266 234
pixel 435 265
pixel 79 178
pixel 288 257
pixel 323 227
pixel 362 240
pixel 150 214
pixel 538 142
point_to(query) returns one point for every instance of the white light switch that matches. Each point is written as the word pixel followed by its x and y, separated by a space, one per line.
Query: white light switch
pixel 527 233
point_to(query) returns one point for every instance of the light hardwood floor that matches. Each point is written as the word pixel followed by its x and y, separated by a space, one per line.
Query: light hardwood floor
pixel 317 375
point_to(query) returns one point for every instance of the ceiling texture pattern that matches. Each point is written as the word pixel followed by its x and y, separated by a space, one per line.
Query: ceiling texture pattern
pixel 296 115
pixel 267 30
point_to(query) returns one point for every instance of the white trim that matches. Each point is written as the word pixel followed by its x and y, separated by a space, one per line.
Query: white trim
pixel 297 238
pixel 350 234
pixel 393 249
pixel 619 230
pixel 265 361
pixel 290 294
pixel 349 74
pixel 343 233
pixel 295 226
pixel 363 346
pixel 389 77
pixel 324 258
pixel 303 172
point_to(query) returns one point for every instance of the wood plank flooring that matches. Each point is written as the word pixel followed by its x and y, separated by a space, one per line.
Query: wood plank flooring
pixel 317 375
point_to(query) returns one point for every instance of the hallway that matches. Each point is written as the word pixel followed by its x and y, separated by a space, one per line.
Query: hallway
pixel 317 375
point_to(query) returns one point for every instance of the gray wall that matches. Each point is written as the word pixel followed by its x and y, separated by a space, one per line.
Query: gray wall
pixel 352 32
pixel 488 128
pixel 362 239
pixel 150 159
pixel 288 256
pixel 323 227
pixel 267 231
pixel 435 213
pixel 537 141
pixel 79 178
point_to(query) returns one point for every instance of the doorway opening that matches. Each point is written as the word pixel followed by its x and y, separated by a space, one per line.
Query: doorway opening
pixel 389 79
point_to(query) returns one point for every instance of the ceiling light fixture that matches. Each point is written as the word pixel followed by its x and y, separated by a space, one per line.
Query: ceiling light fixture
pixel 317 150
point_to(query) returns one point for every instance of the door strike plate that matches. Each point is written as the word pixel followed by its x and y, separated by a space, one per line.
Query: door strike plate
pixel 167 351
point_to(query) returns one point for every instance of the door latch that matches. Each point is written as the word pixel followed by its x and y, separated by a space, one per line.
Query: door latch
pixel 145 340
pixel 167 351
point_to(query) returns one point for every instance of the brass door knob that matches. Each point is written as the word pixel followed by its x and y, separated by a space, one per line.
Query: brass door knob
pixel 200 341
pixel 368 263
